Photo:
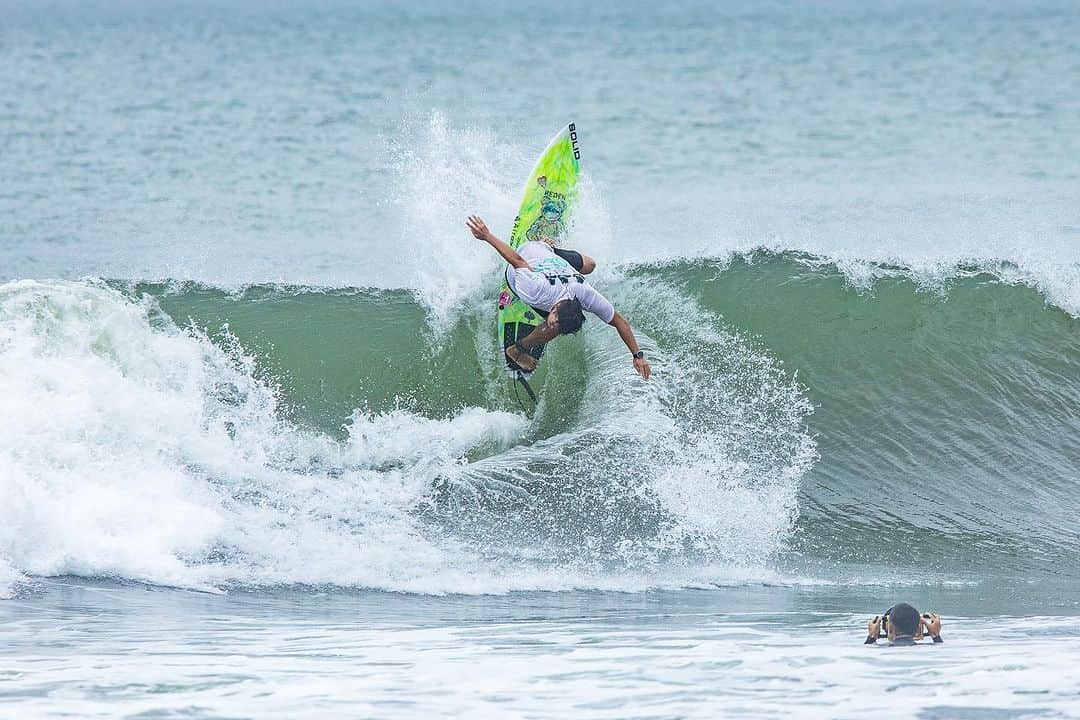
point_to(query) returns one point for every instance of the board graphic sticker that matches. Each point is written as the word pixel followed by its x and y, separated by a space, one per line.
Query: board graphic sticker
pixel 543 217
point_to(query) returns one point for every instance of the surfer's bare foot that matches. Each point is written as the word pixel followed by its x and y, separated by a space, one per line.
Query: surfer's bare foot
pixel 523 360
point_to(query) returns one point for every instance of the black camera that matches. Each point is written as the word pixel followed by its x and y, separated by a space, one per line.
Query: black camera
pixel 883 629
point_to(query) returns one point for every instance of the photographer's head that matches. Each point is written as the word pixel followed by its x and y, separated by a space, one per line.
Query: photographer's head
pixel 902 622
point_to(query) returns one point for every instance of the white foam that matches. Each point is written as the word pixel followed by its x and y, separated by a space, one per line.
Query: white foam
pixel 402 437
pixel 100 418
pixel 736 448
pixel 148 453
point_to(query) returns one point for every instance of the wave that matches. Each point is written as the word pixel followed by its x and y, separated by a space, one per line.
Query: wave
pixel 149 440
pixel 181 434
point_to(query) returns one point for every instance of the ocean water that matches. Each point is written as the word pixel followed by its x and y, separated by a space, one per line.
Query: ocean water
pixel 257 455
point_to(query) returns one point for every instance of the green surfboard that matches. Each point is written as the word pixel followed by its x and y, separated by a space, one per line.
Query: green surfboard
pixel 543 216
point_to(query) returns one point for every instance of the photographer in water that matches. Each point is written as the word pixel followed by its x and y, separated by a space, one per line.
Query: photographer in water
pixel 903 625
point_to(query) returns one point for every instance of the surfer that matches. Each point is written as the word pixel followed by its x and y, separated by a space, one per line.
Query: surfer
pixel 551 281
pixel 903 625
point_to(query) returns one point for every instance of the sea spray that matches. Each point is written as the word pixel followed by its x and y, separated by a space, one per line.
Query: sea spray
pixel 698 466
pixel 452 174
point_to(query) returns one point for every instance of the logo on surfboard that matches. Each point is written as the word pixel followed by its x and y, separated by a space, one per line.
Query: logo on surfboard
pixel 505 298
pixel 549 227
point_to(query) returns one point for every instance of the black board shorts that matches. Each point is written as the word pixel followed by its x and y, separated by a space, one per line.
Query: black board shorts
pixel 571 256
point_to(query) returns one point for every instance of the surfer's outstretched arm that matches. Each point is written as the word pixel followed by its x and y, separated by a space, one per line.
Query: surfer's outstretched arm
pixel 641 365
pixel 480 232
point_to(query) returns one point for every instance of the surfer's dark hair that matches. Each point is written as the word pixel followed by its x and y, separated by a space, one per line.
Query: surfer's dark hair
pixel 904 619
pixel 570 316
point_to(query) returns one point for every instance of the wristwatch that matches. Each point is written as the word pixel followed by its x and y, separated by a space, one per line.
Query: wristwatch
pixel 639 355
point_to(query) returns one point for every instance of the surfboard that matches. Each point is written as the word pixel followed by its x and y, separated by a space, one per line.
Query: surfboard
pixel 544 216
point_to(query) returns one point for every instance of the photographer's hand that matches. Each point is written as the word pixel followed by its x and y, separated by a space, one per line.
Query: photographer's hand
pixel 872 629
pixel 932 623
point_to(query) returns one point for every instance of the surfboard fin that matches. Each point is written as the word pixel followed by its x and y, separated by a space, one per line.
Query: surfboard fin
pixel 528 389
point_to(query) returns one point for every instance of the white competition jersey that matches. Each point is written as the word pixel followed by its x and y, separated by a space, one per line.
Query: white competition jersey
pixel 549 279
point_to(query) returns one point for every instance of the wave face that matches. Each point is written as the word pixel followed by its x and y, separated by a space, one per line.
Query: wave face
pixel 946 411
pixel 181 434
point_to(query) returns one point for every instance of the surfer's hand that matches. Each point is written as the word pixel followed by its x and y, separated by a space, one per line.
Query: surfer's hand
pixel 525 361
pixel 478 228
pixel 641 365
pixel 873 628
pixel 933 624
